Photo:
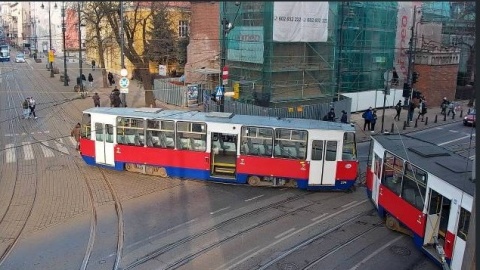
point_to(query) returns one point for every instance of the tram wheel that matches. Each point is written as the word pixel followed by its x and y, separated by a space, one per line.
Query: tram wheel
pixel 253 180
pixel 129 167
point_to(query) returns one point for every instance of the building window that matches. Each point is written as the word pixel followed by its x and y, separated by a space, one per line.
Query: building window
pixel 183 29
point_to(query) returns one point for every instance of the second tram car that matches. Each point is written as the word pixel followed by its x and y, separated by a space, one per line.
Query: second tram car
pixel 222 147
pixel 4 53
pixel 422 190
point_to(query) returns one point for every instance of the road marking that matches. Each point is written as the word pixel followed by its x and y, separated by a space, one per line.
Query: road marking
pixel 454 131
pixel 284 233
pixel 471 157
pixel 219 210
pixel 319 217
pixel 376 252
pixel 47 152
pixel 457 139
pixel 24 134
pixel 348 204
pixel 221 267
pixel 27 150
pixel 183 224
pixel 254 198
pixel 61 147
pixel 10 153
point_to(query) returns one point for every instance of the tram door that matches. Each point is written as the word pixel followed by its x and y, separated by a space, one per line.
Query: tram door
pixel 223 157
pixel 323 164
pixel 104 147
pixel 437 219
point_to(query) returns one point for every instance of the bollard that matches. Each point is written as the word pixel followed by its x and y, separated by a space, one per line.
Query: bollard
pixel 404 125
pixel 391 130
pixel 435 121
pixel 453 116
pixel 445 117
pixel 426 120
pixel 461 113
pixel 416 123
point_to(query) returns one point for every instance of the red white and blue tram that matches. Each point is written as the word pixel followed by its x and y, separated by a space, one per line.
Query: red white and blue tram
pixel 422 190
pixel 222 147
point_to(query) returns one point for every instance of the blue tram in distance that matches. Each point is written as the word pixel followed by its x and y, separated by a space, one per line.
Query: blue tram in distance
pixel 4 53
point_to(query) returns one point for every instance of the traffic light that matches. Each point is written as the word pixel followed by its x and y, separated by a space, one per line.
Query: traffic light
pixel 406 90
pixel 415 76
pixel 236 90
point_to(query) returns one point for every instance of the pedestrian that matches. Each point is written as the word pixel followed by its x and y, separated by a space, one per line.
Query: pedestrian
pixel 373 121
pixel 367 118
pixel 31 104
pixel 398 108
pixel 411 110
pixel 331 115
pixel 26 109
pixel 110 78
pixel 90 79
pixel 422 109
pixel 96 100
pixel 115 98
pixel 76 134
pixel 93 64
pixel 344 117
pixel 444 106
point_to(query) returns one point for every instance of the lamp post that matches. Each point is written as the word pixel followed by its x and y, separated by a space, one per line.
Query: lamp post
pixel 80 46
pixel 64 28
pixel 50 36
pixel 122 56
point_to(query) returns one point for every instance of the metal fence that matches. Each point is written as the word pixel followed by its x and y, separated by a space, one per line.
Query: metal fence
pixel 194 95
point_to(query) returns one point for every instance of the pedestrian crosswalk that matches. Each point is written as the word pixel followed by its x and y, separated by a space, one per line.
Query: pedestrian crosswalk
pixel 49 149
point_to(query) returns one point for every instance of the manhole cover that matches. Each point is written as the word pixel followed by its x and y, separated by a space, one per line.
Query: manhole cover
pixel 402 251
pixel 287 266
pixel 56 167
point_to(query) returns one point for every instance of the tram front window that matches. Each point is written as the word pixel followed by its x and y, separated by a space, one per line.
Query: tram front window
pixel 86 126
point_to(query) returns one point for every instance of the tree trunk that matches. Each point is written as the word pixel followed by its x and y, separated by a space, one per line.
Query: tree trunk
pixel 148 87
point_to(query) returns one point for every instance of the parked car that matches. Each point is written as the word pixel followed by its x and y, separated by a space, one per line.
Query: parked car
pixel 20 58
pixel 469 120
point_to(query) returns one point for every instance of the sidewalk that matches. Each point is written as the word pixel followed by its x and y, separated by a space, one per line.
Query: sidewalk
pixel 398 126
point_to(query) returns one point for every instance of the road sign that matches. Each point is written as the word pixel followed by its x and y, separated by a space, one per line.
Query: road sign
pixel 124 82
pixel 219 91
pixel 124 90
pixel 162 70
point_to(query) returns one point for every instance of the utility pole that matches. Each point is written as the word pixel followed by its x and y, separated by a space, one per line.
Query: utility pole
pixel 80 46
pixel 64 28
pixel 411 55
pixel 223 54
pixel 50 40
pixel 122 57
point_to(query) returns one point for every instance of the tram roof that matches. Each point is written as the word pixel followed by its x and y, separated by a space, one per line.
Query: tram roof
pixel 253 120
pixel 445 164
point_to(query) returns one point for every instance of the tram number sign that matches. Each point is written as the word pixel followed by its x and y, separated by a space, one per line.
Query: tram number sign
pixel 124 82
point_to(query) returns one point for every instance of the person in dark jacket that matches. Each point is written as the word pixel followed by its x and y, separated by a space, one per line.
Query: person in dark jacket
pixel 373 121
pixel 367 117
pixel 344 117
pixel 96 100
pixel 331 115
pixel 398 108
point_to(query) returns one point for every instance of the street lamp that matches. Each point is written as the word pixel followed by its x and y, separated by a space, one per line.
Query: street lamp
pixel 50 35
pixel 64 28
pixel 122 56
pixel 80 46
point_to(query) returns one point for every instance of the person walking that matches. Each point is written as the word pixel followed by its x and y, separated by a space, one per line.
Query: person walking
pixel 76 134
pixel 90 80
pixel 367 118
pixel 110 78
pixel 373 121
pixel 26 109
pixel 444 106
pixel 93 64
pixel 96 100
pixel 331 115
pixel 451 108
pixel 411 110
pixel 422 109
pixel 344 119
pixel 398 108
pixel 31 104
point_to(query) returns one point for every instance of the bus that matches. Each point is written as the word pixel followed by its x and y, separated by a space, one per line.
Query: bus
pixel 424 191
pixel 4 53
pixel 222 147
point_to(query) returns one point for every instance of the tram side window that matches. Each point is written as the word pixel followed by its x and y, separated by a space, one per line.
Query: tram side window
pixel 290 143
pixel 160 133
pixel 463 224
pixel 256 141
pixel 331 154
pixel 392 172
pixel 86 131
pixel 130 131
pixel 414 186
pixel 349 151
pixel 317 150
pixel 192 136
pixel 99 132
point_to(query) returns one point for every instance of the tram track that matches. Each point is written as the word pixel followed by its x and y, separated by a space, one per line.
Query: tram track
pixel 280 205
pixel 20 187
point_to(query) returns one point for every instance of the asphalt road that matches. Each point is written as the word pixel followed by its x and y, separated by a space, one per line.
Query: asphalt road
pixel 58 213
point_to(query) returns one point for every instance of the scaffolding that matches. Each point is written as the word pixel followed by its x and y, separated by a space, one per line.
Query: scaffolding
pixel 358 50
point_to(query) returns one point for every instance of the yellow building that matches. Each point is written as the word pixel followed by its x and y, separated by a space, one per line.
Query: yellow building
pixel 179 13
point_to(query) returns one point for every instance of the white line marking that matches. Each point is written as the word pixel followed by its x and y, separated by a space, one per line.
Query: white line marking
pixel 348 204
pixel 294 233
pixel 223 266
pixel 183 224
pixel 10 153
pixel 254 198
pixel 8 135
pixel 471 157
pixel 457 139
pixel 453 131
pixel 61 147
pixel 72 140
pixel 319 217
pixel 27 150
pixel 47 152
pixel 284 233
pixel 219 210
pixel 376 252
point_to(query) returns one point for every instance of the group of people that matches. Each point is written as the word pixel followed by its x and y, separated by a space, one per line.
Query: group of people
pixel 450 105
pixel 28 106
pixel 369 119
pixel 331 117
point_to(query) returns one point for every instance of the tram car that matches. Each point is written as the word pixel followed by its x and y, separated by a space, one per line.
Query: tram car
pixel 4 53
pixel 222 147
pixel 422 190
